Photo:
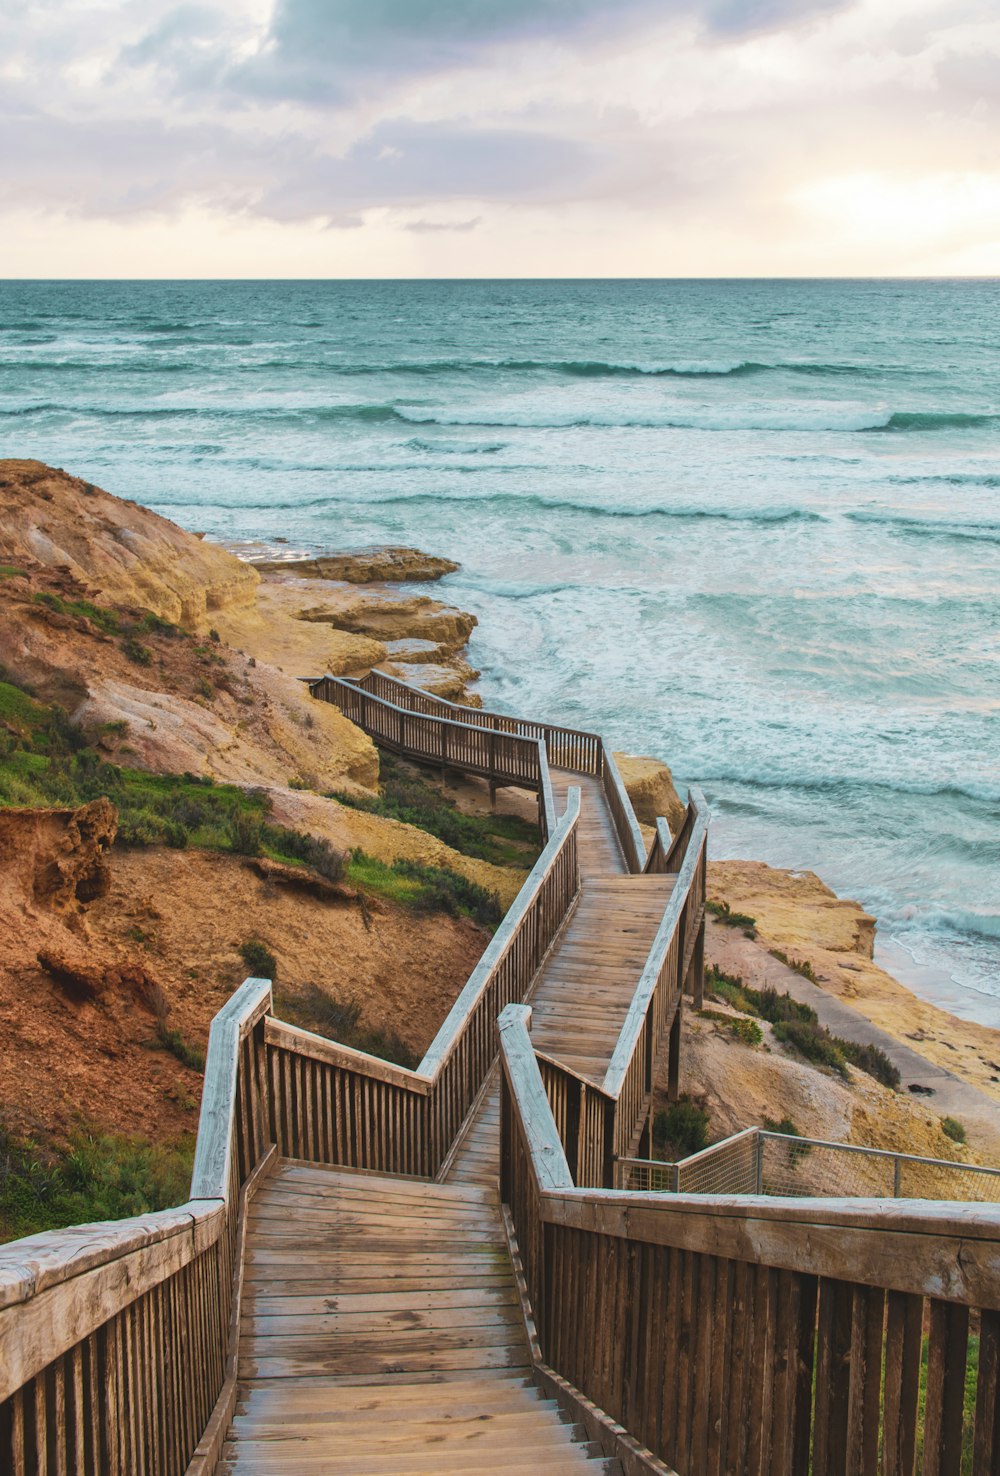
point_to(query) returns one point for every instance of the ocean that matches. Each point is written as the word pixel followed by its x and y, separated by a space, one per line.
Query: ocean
pixel 752 527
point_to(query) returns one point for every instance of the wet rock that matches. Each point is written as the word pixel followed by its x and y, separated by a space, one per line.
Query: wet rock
pixel 389 564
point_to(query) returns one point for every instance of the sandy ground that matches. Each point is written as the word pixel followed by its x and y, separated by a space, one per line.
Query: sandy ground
pixel 182 916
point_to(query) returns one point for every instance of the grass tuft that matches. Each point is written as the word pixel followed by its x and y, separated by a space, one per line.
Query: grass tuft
pixel 96 1176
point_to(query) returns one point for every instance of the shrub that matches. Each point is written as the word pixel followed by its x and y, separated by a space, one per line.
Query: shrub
pixel 872 1059
pixel 135 651
pixel 95 1177
pixel 427 888
pixel 797 965
pixel 775 1007
pixel 313 1009
pixel 174 1042
pixel 953 1129
pixel 259 959
pixel 747 1031
pixel 503 839
pixel 245 833
pixel 723 913
pixel 814 1042
pixel 313 850
pixel 786 1126
pixel 681 1128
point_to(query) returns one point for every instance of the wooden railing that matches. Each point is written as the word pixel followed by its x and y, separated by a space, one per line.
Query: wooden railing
pixel 335 1105
pixel 600 1124
pixel 497 747
pixel 756 1337
pixel 500 757
pixel 629 835
pixel 118 1341
pixel 115 1339
pixel 567 748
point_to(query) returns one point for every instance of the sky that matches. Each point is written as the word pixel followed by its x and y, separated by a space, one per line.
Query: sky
pixel 484 138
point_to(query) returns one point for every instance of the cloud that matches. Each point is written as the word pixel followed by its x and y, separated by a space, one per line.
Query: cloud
pixel 727 122
pixel 422 226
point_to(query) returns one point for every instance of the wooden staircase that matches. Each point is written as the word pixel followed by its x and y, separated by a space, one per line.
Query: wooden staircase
pixel 382 1333
pixel 381 1329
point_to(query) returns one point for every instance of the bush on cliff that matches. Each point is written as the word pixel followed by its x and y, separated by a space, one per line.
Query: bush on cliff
pixel 312 1008
pixel 797 1024
pixel 93 1177
pixel 425 888
pixel 44 761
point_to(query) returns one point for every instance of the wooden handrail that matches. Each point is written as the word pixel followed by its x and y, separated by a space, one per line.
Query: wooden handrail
pixel 666 935
pixel 97 1320
pixel 708 1321
pixel 567 748
pixel 627 825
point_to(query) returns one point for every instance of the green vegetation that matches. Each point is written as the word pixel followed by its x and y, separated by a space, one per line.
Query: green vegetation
pixel 783 1125
pixel 968 1467
pixel 797 965
pixel 953 1129
pixel 174 1042
pixel 313 1009
pixel 680 1129
pixel 506 840
pixel 723 913
pixel 259 959
pixel 11 571
pixel 105 620
pixel 786 1126
pixel 96 1177
pixel 425 888
pixel 797 1025
pixel 747 1031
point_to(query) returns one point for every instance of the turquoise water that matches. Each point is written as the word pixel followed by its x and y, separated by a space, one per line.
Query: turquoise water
pixel 753 527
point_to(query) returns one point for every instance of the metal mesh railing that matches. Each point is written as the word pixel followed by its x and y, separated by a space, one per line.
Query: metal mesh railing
pixel 759 1162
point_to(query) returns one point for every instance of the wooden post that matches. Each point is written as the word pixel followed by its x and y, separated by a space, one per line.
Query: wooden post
pixel 698 969
pixel 674 1056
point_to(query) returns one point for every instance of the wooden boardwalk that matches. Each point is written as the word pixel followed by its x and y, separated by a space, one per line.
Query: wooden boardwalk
pixel 381 1331
pixel 589 977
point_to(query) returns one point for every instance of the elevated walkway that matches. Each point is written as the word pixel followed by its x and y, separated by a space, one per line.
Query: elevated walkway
pixel 357 1282
pixel 587 980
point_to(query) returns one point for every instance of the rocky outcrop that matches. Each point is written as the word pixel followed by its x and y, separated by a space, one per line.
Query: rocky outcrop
pixel 388 616
pixel 57 859
pixel 651 789
pixel 800 919
pixel 365 566
pixel 794 909
pixel 119 550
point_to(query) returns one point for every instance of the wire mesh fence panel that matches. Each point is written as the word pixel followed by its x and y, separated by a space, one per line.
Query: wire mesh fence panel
pixel 931 1180
pixel 726 1168
pixel 641 1175
pixel 798 1166
pixel 758 1162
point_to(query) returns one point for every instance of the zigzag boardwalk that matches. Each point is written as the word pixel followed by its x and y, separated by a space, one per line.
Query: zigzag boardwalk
pixel 391 1285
